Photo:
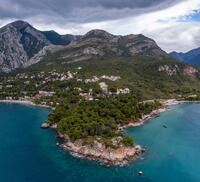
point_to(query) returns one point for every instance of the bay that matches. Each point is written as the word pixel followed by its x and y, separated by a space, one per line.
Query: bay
pixel 30 154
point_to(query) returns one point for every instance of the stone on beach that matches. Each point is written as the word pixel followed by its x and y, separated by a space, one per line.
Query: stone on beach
pixel 45 125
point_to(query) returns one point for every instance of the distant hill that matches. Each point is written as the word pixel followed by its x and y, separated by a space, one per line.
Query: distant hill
pixel 192 57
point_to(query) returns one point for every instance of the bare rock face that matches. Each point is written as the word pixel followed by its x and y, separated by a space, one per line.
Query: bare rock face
pixel 169 70
pixel 22 45
pixel 19 42
pixel 172 70
pixel 45 125
pixel 117 155
pixel 99 43
pixel 190 70
pixel 38 57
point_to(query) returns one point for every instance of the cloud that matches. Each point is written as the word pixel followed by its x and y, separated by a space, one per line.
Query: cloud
pixel 78 10
pixel 169 22
pixel 166 26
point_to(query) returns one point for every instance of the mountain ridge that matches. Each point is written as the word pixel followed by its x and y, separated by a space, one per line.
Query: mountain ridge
pixel 20 43
pixel 23 45
pixel 191 57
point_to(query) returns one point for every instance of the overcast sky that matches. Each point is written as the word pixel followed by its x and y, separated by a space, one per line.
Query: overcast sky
pixel 174 24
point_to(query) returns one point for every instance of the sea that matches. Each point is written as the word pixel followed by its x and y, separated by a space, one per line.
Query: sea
pixel 30 154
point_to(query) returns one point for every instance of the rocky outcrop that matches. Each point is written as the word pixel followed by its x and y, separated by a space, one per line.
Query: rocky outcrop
pixel 190 71
pixel 58 39
pixel 44 125
pixel 22 45
pixel 118 154
pixel 40 55
pixel 19 42
pixel 99 43
pixel 170 70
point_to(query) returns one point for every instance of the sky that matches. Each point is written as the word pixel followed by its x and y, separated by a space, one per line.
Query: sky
pixel 173 24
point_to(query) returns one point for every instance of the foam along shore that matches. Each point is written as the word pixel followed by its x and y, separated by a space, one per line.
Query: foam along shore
pixel 26 102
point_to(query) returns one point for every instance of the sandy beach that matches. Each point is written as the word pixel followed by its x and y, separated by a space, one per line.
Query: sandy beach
pixel 26 102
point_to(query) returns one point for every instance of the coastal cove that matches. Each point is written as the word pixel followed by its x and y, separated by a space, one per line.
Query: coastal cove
pixel 29 153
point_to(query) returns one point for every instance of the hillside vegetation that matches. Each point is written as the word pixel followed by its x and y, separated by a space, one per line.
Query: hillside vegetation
pixel 99 83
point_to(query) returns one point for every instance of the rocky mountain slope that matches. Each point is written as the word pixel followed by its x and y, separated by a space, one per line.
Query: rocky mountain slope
pixel 191 57
pixel 22 45
pixel 99 43
pixel 58 39
pixel 136 59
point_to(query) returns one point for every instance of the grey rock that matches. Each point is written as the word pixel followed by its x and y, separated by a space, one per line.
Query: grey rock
pixel 45 125
pixel 22 45
pixel 99 43
pixel 19 42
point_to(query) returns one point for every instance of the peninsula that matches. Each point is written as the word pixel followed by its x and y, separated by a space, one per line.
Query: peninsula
pixel 96 84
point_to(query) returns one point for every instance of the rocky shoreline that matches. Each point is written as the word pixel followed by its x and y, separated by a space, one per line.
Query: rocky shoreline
pixel 121 155
pixel 97 151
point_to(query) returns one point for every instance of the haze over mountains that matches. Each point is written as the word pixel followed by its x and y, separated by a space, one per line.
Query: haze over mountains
pixel 22 45
pixel 190 57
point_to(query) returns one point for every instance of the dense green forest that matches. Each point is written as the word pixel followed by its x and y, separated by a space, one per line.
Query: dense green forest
pixel 99 118
pixel 147 77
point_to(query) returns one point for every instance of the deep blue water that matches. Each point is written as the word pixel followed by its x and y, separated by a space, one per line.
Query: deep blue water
pixel 30 154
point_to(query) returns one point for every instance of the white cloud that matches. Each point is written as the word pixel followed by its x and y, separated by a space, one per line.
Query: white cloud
pixel 171 27
pixel 164 26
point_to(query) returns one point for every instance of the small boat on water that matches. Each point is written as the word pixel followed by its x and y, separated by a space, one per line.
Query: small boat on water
pixel 164 126
pixel 140 173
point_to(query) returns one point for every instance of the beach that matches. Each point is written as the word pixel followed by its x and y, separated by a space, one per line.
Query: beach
pixel 26 102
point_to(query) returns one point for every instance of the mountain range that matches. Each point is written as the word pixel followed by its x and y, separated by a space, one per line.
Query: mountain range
pixel 22 45
pixel 140 63
pixel 191 57
pixel 135 58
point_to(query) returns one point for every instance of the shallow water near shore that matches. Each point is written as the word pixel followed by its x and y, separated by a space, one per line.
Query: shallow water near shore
pixel 30 154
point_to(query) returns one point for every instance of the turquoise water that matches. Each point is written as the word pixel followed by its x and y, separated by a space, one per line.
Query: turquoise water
pixel 30 154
